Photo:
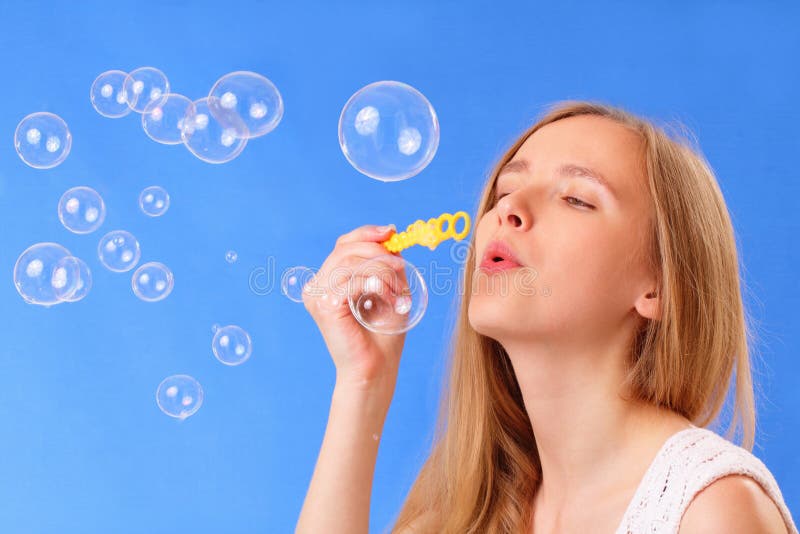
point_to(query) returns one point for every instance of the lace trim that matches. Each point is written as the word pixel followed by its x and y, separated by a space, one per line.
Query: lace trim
pixel 690 460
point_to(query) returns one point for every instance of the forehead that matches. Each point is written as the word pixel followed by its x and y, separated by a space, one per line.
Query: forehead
pixel 598 143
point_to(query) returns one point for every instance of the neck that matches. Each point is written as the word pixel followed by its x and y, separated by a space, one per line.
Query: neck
pixel 587 434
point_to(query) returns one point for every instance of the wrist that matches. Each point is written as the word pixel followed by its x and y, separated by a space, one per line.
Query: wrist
pixel 370 398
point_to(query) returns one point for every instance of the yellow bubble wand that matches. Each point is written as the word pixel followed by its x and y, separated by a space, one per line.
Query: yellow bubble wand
pixel 429 233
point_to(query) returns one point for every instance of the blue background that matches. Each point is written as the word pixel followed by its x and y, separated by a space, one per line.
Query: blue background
pixel 83 446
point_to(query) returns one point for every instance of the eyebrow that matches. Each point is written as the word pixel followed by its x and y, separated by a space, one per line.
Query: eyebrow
pixel 567 169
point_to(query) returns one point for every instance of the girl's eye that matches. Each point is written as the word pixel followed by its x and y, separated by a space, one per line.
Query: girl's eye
pixel 578 202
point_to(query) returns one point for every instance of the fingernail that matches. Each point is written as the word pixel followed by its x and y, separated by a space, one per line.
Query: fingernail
pixel 386 228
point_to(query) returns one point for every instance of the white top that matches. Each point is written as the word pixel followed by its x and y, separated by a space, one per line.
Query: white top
pixel 690 460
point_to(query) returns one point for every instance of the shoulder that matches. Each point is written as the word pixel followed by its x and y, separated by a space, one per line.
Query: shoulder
pixel 732 504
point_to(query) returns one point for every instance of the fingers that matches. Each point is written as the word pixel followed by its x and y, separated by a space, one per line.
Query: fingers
pixel 329 286
pixel 368 232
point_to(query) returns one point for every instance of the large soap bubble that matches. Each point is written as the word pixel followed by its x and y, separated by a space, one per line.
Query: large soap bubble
pixel 162 120
pixel 108 94
pixel 43 275
pixel 387 294
pixel 144 86
pixel 388 131
pixel 252 97
pixel 42 140
pixel 81 210
pixel 179 396
pixel 213 138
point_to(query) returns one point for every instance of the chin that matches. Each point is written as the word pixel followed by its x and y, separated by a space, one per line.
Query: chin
pixel 488 314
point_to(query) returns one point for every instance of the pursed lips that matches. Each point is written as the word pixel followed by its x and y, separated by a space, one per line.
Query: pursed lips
pixel 498 256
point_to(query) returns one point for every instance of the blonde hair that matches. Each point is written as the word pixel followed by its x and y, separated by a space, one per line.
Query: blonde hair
pixel 483 469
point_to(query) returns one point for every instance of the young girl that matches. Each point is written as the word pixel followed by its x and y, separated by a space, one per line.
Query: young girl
pixel 576 403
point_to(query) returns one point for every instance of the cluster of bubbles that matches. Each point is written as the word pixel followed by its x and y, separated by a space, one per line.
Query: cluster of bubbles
pixel 240 106
pixel 386 294
pixel 387 130
pixel 48 274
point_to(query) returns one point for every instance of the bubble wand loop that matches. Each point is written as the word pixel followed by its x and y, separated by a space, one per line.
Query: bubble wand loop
pixel 429 233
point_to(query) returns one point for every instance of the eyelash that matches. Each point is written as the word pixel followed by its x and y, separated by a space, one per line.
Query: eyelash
pixel 582 203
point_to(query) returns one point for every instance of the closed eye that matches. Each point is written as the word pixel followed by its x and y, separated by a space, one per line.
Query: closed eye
pixel 578 202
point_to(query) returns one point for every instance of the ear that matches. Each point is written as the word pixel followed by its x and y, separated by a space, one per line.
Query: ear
pixel 649 305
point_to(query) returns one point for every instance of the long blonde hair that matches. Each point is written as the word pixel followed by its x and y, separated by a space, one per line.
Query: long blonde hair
pixel 483 469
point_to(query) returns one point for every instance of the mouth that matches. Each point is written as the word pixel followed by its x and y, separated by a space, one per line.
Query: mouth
pixel 499 257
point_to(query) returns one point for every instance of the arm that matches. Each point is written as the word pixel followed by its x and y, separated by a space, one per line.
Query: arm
pixel 338 498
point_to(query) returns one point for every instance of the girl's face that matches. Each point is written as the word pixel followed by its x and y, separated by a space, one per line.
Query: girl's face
pixel 573 207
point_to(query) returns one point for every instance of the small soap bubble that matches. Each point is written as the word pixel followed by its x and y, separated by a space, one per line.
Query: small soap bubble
pixel 231 345
pixel 388 131
pixel 81 210
pixel 387 294
pixel 42 140
pixel 179 396
pixel 162 120
pixel 108 94
pixel 145 86
pixel 216 138
pixel 43 275
pixel 294 280
pixel 152 281
pixel 250 96
pixel 154 201
pixel 118 251
pixel 215 327
pixel 231 256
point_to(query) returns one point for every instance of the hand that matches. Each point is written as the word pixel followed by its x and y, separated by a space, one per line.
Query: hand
pixel 363 359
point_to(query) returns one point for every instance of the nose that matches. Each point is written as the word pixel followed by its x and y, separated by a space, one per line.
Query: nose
pixel 513 213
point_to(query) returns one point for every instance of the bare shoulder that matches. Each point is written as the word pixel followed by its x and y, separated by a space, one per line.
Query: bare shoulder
pixel 733 504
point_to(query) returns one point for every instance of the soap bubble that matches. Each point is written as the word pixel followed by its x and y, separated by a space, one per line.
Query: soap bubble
pixel 252 97
pixel 231 256
pixel 81 210
pixel 119 251
pixel 231 345
pixel 214 138
pixel 388 131
pixel 179 396
pixel 42 140
pixel 162 120
pixel 144 86
pixel 73 292
pixel 152 282
pixel 108 94
pixel 154 201
pixel 387 294
pixel 294 280
pixel 42 277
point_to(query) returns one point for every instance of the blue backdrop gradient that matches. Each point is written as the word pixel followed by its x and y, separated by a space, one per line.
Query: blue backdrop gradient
pixel 83 446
